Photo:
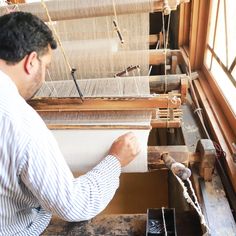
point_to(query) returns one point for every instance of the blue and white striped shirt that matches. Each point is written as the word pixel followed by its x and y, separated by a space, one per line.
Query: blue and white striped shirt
pixel 35 181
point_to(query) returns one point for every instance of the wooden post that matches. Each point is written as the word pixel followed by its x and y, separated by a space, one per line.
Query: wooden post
pixel 184 89
pixel 208 157
pixel 174 62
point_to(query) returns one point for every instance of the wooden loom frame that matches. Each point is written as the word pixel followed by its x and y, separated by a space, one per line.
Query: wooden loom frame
pixel 153 103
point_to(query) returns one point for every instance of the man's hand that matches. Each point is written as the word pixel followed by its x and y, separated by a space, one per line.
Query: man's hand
pixel 125 148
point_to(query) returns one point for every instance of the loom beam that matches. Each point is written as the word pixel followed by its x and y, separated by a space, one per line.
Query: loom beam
pixel 156 57
pixel 73 9
pixel 173 82
pixel 157 83
pixel 89 104
pixel 155 123
pixel 63 106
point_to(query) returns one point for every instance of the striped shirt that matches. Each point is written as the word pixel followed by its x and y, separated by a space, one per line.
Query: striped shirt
pixel 35 181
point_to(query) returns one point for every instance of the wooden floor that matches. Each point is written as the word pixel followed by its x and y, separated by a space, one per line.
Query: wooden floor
pixel 187 224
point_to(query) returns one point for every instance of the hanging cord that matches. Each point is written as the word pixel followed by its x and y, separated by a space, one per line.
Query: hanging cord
pixel 72 70
pixel 164 220
pixel 115 23
pixel 165 41
pixel 220 153
pixel 194 203
pixel 183 174
pixel 168 105
pixel 168 112
pixel 166 46
pixel 197 108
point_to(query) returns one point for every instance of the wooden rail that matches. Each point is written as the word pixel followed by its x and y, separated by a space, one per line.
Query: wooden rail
pixel 75 104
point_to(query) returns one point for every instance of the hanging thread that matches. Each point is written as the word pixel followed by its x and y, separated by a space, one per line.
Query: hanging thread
pixel 194 203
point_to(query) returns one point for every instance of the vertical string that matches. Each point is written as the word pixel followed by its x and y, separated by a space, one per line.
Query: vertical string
pixel 54 88
pixel 165 39
pixel 166 7
pixel 164 220
pixel 57 36
pixel 115 22
pixel 114 9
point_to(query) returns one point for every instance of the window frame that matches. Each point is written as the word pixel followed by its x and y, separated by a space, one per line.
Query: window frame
pixel 195 48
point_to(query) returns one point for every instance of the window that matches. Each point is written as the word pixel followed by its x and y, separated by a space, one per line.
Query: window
pixel 220 57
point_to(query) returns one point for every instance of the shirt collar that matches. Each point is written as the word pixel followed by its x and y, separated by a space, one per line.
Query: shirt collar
pixel 6 80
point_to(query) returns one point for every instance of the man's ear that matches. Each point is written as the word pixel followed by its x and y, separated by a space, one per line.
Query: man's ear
pixel 30 62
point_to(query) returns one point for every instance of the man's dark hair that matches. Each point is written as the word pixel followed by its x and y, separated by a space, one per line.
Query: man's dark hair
pixel 22 33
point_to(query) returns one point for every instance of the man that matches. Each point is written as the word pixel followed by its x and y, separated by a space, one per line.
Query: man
pixel 35 180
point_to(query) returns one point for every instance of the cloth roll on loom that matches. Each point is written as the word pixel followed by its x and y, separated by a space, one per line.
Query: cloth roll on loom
pixel 84 149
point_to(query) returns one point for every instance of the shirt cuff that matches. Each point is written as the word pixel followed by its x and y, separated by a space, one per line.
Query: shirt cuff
pixel 113 163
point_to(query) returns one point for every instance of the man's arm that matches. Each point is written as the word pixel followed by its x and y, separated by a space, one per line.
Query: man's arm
pixel 49 178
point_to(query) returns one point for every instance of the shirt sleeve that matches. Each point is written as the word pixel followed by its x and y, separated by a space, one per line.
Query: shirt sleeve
pixel 46 174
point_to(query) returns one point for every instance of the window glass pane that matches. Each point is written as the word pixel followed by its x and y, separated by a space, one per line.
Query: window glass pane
pixel 231 24
pixel 220 41
pixel 225 84
pixel 212 23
